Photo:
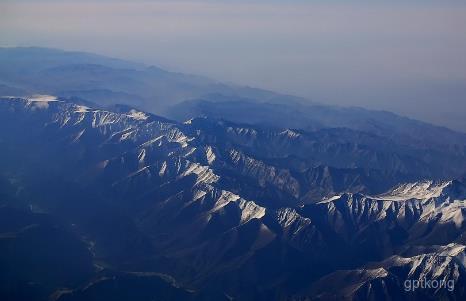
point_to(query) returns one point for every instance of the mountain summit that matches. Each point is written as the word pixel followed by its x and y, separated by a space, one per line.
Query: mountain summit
pixel 210 209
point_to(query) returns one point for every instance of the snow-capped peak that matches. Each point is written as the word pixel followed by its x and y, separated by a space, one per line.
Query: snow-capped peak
pixel 42 98
pixel 137 115
pixel 418 190
pixel 290 134
pixel 82 109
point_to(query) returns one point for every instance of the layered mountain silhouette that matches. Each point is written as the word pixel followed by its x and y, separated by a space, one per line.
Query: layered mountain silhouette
pixel 103 80
pixel 112 202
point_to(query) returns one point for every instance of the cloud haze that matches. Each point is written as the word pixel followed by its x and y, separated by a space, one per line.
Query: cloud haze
pixel 404 56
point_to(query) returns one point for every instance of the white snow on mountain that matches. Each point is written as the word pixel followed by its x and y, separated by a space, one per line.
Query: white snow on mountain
pixel 290 134
pixel 419 190
pixel 329 199
pixel 42 98
pixel 249 209
pixel 210 155
pixel 40 101
pixel 204 174
pixel 137 115
pixel 82 109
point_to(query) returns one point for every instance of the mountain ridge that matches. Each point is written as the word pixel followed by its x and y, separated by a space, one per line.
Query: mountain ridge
pixel 225 207
pixel 34 70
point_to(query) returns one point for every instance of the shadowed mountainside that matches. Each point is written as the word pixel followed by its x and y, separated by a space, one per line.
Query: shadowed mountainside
pixel 210 209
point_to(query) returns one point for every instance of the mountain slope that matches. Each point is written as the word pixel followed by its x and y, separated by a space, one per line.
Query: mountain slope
pixel 228 210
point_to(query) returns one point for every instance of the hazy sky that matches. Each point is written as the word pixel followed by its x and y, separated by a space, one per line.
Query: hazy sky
pixel 405 56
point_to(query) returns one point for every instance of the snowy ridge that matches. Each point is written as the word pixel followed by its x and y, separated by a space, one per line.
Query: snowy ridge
pixel 290 134
pixel 214 200
pixel 287 216
pixel 418 190
pixel 203 173
pixel 210 155
pixel 249 209
pixel 445 264
pixel 252 167
pixel 138 115
pixel 42 98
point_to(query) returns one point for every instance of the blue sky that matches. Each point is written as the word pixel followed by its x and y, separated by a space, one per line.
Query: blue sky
pixel 404 56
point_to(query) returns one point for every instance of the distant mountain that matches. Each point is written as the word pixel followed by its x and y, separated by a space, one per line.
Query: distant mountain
pixel 108 81
pixel 33 70
pixel 210 209
pixel 313 116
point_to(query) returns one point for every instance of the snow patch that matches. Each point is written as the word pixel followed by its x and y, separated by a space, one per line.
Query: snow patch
pixel 330 199
pixel 249 209
pixel 142 156
pixel 78 136
pixel 137 115
pixel 418 190
pixel 42 98
pixel 290 134
pixel 163 168
pixel 126 135
pixel 210 155
pixel 81 109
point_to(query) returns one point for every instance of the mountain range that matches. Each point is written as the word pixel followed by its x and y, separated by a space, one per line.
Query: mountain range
pixel 103 80
pixel 106 201
pixel 121 181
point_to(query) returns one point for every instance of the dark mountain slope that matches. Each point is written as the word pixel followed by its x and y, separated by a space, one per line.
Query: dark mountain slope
pixel 224 209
